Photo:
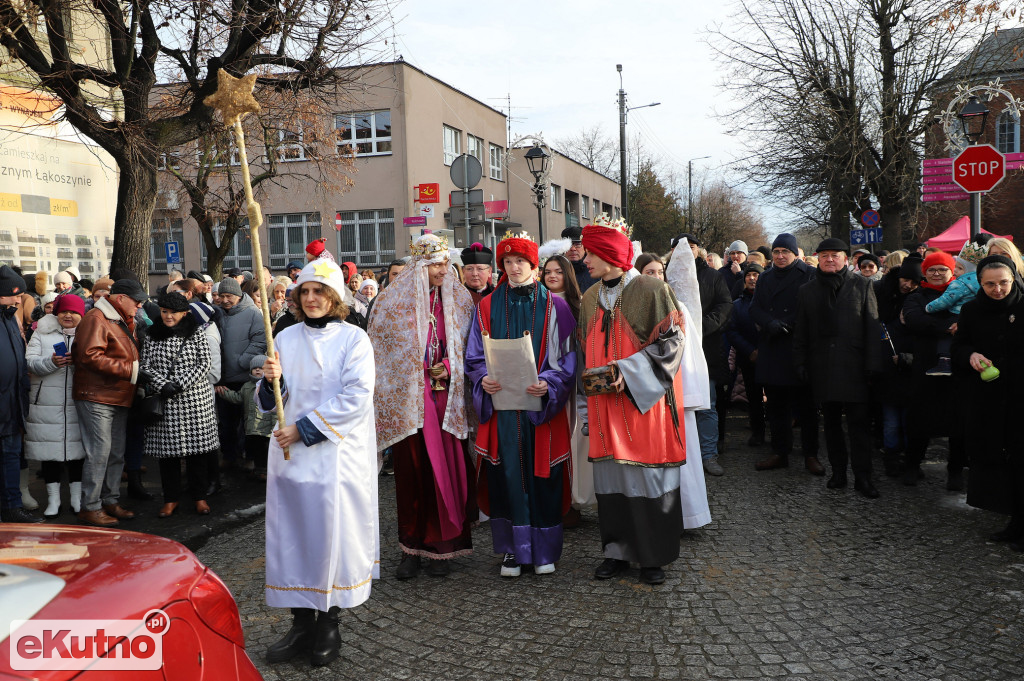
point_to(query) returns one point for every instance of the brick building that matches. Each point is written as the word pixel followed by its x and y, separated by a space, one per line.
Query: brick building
pixel 996 57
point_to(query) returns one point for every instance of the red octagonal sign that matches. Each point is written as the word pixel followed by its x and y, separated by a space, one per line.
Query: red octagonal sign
pixel 979 168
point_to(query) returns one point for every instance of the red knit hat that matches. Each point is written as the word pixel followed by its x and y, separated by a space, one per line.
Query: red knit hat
pixel 516 244
pixel 938 259
pixel 317 246
pixel 69 302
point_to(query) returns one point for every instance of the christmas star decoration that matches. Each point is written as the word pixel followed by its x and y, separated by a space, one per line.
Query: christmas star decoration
pixel 233 97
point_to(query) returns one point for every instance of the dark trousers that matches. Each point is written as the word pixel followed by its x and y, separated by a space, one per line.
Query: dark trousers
pixel 10 471
pixel 256 449
pixel 52 470
pixel 783 402
pixel 134 445
pixel 917 445
pixel 755 398
pixel 723 394
pixel 231 422
pixel 858 420
pixel 170 477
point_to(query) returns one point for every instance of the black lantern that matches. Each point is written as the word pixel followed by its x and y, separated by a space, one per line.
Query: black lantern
pixel 537 160
pixel 973 117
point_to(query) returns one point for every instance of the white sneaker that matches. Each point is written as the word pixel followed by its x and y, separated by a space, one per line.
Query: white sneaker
pixel 545 569
pixel 509 566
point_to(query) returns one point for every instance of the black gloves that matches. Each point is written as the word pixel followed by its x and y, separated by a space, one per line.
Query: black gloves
pixel 776 328
pixel 144 378
pixel 170 389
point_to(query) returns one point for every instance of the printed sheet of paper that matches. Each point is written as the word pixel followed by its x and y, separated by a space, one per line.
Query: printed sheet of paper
pixel 512 364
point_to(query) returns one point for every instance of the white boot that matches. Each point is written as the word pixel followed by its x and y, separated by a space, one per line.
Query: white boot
pixel 27 501
pixel 76 496
pixel 52 499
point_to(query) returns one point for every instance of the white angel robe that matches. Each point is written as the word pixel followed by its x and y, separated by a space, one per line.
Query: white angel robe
pixel 323 539
pixel 681 275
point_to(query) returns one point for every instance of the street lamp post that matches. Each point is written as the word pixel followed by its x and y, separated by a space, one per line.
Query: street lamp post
pixel 623 177
pixel 973 118
pixel 536 161
pixel 689 192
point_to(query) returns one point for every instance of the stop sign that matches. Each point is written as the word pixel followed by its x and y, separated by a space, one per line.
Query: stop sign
pixel 979 168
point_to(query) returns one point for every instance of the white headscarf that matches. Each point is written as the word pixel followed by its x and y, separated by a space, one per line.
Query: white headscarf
pixel 401 306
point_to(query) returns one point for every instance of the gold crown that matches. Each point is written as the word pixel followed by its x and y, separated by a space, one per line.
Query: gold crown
pixel 509 234
pixel 427 245
pixel 618 224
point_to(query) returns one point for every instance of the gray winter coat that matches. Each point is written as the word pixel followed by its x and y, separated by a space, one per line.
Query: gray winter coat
pixel 242 338
pixel 51 429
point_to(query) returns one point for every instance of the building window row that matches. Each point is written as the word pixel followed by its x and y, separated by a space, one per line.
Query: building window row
pixel 451 140
pixel 367 237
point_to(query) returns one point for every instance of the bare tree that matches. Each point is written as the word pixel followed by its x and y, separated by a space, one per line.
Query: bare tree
pixel 290 126
pixel 837 96
pixel 593 148
pixel 190 39
pixel 722 214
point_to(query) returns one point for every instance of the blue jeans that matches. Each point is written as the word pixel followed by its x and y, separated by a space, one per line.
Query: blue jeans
pixel 707 428
pixel 104 431
pixel 894 427
pixel 10 471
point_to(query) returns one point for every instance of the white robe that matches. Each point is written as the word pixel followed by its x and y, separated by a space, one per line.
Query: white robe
pixel 323 539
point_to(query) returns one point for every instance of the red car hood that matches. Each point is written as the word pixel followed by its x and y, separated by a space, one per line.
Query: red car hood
pixel 110 574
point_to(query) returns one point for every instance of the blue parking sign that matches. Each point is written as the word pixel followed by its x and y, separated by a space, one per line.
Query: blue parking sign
pixel 173 254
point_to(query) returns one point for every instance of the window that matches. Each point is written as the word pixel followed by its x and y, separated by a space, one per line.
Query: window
pixel 217 154
pixel 368 131
pixel 290 148
pixel 452 144
pixel 583 206
pixel 1008 133
pixel 168 161
pixel 5 236
pixel 367 237
pixel 475 147
pixel 597 208
pixel 497 162
pixel 289 235
pixel 163 230
pixel 239 254
pixel 556 198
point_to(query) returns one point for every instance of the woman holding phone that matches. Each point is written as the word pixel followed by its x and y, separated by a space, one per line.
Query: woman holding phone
pixel 52 435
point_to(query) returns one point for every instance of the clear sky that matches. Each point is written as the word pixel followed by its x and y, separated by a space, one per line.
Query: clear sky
pixel 556 60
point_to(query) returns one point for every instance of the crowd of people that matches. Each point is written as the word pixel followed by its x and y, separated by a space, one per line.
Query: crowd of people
pixel 519 386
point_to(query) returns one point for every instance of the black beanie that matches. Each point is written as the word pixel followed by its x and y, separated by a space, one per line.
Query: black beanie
pixel 173 301
pixel 11 283
pixel 869 257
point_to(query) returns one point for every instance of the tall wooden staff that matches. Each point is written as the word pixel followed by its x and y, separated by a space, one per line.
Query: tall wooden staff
pixel 234 100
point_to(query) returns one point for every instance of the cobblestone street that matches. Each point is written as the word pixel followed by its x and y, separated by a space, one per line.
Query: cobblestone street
pixel 791 580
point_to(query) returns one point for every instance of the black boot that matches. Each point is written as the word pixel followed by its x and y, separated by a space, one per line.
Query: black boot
pixel 136 490
pixel 1012 532
pixel 299 638
pixel 327 645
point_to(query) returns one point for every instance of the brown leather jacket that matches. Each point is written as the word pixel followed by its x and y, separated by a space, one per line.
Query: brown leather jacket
pixel 106 357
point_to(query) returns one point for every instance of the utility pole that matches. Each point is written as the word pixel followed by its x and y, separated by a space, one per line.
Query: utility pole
pixel 623 177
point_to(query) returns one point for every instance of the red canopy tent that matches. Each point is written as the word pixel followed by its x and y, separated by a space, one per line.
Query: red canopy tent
pixel 952 240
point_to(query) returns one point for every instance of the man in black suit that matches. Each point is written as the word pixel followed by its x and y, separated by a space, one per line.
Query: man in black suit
pixel 774 310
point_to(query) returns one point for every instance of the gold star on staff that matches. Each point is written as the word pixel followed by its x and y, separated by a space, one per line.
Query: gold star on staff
pixel 233 97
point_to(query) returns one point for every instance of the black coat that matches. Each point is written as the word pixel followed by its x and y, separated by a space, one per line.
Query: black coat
pixel 776 298
pixel 893 386
pixel 715 308
pixel 742 333
pixel 583 278
pixel 839 360
pixel 14 381
pixel 932 410
pixel 994 408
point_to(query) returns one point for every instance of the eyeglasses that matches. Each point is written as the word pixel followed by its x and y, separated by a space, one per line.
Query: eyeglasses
pixel 937 270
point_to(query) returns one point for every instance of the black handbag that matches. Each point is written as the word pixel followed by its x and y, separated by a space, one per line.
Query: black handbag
pixel 149 408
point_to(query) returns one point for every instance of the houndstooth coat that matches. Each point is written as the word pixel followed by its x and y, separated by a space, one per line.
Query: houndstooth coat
pixel 181 353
